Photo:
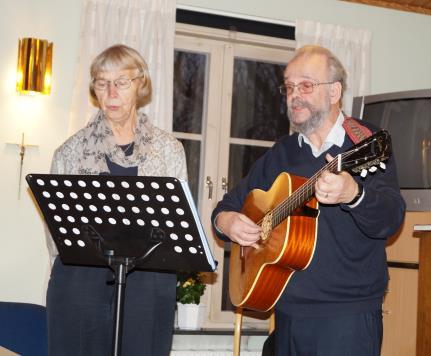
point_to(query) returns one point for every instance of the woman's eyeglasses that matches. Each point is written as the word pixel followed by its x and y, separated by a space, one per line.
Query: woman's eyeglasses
pixel 120 83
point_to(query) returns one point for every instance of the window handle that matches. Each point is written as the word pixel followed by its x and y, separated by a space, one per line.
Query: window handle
pixel 224 184
pixel 209 184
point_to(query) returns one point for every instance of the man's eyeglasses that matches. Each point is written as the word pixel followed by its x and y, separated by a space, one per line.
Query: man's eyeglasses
pixel 305 87
pixel 120 83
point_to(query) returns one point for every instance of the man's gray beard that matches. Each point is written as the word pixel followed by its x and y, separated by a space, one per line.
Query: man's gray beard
pixel 317 117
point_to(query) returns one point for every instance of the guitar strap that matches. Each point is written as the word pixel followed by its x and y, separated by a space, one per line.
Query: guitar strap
pixel 355 130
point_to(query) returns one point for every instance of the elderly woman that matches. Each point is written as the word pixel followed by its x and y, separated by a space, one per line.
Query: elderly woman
pixel 119 140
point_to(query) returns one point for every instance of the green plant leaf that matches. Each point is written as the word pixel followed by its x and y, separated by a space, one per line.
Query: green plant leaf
pixel 190 288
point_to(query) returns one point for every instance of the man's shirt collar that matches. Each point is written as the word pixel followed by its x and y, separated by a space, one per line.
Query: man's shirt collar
pixel 335 137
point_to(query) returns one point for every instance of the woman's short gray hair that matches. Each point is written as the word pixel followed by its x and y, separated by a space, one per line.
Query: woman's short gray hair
pixel 120 57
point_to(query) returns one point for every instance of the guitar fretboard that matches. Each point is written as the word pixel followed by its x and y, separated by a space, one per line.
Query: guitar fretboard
pixel 367 153
pixel 304 192
pixel 300 196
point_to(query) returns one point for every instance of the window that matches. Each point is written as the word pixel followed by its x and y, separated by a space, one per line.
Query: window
pixel 227 112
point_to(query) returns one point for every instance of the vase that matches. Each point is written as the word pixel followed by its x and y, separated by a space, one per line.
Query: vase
pixel 190 316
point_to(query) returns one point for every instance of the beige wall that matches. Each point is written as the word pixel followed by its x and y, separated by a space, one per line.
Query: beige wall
pixel 23 258
pixel 400 61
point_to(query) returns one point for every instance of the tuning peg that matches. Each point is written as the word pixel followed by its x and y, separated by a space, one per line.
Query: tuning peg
pixel 373 169
pixel 364 173
pixel 382 165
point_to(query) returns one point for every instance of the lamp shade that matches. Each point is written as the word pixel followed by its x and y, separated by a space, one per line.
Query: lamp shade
pixel 34 66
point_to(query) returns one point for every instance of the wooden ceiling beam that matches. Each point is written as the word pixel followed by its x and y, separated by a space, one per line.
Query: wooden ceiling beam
pixel 421 7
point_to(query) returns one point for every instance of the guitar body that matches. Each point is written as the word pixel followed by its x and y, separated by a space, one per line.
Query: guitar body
pixel 257 277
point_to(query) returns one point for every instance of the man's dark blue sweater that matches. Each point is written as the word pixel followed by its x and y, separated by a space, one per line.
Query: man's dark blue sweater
pixel 348 272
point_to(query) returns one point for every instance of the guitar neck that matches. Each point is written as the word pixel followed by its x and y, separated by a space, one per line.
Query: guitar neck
pixel 302 194
pixel 367 153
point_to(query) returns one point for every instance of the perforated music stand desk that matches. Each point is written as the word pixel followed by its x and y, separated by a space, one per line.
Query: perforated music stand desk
pixel 123 223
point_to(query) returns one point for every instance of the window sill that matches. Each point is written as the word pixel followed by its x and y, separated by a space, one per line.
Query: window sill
pixel 213 331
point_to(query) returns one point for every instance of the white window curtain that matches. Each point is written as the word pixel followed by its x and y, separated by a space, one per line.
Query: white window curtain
pixel 146 25
pixel 352 46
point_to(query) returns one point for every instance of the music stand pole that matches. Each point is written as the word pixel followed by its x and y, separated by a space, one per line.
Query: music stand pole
pixel 120 287
pixel 121 266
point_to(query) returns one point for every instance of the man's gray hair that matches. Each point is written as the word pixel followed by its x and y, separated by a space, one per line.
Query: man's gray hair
pixel 336 70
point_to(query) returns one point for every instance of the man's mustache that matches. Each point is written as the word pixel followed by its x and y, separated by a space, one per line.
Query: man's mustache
pixel 299 103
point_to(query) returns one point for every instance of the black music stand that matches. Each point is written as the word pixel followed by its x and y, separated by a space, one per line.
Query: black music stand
pixel 123 223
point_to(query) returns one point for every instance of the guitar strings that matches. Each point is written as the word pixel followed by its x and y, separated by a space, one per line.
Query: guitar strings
pixel 304 192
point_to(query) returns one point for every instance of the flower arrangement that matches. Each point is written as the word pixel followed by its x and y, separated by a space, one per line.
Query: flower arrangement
pixel 190 288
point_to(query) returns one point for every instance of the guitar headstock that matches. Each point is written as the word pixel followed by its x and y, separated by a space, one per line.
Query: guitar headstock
pixel 368 153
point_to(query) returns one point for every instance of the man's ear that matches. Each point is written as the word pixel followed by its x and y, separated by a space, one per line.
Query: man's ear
pixel 335 92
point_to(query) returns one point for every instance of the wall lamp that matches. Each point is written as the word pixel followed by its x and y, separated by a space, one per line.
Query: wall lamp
pixel 34 66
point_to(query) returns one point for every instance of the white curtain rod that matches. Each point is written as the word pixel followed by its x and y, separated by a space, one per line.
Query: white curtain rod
pixel 235 15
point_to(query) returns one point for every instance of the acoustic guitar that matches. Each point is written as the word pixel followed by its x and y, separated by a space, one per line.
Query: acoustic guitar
pixel 288 214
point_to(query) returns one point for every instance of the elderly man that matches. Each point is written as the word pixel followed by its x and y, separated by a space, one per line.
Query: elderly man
pixel 332 307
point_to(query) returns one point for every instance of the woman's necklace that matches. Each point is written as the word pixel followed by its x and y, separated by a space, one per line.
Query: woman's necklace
pixel 117 132
pixel 126 150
